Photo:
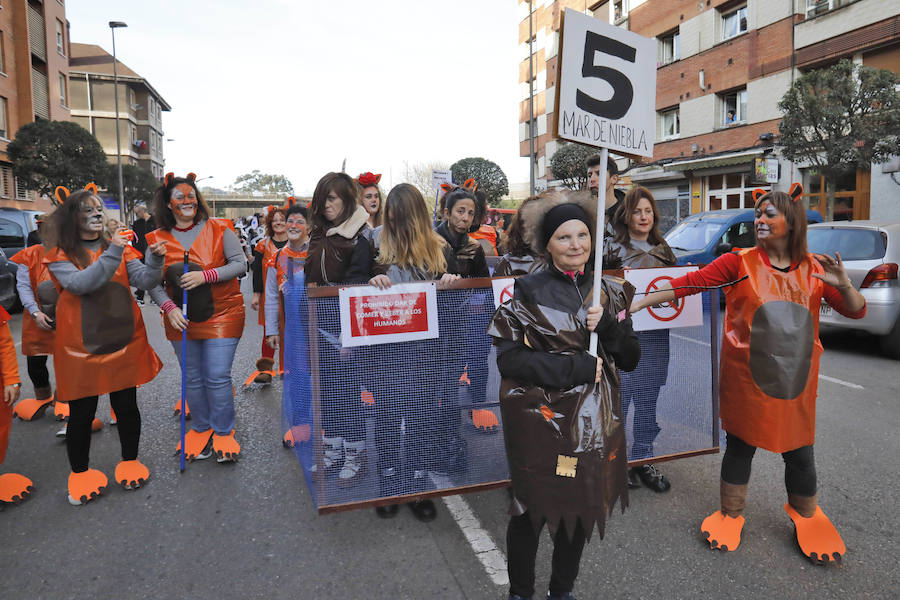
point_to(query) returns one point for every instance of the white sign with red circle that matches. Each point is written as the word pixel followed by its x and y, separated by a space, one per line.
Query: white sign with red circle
pixel 503 290
pixel 683 312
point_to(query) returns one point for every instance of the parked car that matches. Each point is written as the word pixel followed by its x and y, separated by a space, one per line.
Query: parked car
pixel 15 226
pixel 702 237
pixel 870 251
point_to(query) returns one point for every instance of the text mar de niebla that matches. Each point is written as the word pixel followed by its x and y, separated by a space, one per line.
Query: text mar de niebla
pixel 601 132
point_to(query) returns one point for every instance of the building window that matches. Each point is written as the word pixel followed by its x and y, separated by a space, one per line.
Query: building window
pixel 814 8
pixel 21 192
pixel 734 23
pixel 133 134
pixel 60 38
pixel 845 193
pixel 670 124
pixel 2 55
pixel 620 10
pixel 6 182
pixel 730 190
pixel 63 95
pixel 669 48
pixel 4 132
pixel 733 108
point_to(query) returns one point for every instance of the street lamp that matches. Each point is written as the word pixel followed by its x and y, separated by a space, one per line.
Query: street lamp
pixel 113 25
pixel 213 196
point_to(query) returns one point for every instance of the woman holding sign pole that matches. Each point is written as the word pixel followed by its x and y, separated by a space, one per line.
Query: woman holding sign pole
pixel 408 250
pixel 638 244
pixel 561 409
pixel 770 361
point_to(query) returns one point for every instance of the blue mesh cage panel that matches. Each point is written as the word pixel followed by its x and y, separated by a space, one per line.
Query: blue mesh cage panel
pixel 422 418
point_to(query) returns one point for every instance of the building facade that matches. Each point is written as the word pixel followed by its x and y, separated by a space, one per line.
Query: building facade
pixel 723 66
pixel 34 81
pixel 139 119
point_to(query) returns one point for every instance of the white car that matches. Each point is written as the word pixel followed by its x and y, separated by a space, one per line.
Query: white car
pixel 870 251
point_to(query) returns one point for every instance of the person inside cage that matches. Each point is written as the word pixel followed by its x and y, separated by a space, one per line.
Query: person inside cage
pixel 518 258
pixel 276 238
pixel 770 364
pixel 215 319
pixel 101 344
pixel 371 197
pixel 638 244
pixel 340 252
pixel 286 264
pixel 565 442
pixel 408 250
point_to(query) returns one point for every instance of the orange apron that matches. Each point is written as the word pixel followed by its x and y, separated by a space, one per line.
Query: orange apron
pixel 101 344
pixel 35 341
pixel 215 310
pixel 286 262
pixel 770 354
pixel 9 374
pixel 268 249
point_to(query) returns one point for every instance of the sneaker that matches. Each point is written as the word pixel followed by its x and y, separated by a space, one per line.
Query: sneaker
pixel 62 431
pixel 333 452
pixel 653 479
pixel 354 462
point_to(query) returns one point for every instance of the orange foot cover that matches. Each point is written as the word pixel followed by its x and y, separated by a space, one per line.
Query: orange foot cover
pixel 61 410
pixel 131 474
pixel 88 485
pixel 723 532
pixel 195 442
pixel 31 408
pixel 177 409
pixel 14 487
pixel 484 420
pixel 226 447
pixel 817 537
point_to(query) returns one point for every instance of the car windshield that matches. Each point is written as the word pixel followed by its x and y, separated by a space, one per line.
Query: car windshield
pixel 852 244
pixel 692 235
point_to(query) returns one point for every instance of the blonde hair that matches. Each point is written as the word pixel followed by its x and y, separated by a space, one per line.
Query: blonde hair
pixel 407 239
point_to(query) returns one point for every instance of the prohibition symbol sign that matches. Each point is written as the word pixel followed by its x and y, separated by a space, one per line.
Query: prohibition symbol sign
pixel 506 293
pixel 668 311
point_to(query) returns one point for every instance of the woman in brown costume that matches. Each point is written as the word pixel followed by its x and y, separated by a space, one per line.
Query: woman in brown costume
pixel 565 441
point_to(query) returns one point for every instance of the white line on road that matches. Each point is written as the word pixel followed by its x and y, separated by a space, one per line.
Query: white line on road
pixel 492 558
pixel 687 339
pixel 854 386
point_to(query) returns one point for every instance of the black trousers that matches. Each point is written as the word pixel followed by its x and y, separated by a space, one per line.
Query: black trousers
pixel 799 466
pixel 521 547
pixel 81 415
pixel 37 371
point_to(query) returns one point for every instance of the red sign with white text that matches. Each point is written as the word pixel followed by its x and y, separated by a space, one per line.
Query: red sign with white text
pixel 404 312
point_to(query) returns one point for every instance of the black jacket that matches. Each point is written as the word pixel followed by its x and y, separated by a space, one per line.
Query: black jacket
pixel 470 261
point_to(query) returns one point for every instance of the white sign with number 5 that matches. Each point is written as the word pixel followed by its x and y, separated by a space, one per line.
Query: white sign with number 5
pixel 607 86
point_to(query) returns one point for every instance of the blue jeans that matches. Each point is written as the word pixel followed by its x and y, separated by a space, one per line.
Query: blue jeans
pixel 210 395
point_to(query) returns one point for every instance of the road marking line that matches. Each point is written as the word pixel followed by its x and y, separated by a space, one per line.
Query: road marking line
pixel 854 386
pixel 492 558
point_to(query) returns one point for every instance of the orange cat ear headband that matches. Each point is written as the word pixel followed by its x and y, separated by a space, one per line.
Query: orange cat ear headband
pixel 170 177
pixel 795 192
pixel 469 185
pixel 62 193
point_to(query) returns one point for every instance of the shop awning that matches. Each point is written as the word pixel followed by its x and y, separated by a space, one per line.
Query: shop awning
pixel 711 162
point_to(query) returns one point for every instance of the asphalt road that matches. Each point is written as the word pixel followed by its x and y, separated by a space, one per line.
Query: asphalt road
pixel 250 530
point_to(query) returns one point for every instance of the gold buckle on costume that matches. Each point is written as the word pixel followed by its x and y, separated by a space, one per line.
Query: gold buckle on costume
pixel 565 465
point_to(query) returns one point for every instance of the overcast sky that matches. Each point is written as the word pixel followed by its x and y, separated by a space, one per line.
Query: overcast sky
pixel 296 86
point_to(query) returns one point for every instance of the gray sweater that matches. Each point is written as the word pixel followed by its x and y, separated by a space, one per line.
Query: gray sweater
pixel 236 260
pixel 93 277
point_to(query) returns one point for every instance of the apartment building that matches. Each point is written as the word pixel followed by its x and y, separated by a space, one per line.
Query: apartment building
pixel 139 119
pixel 723 65
pixel 34 81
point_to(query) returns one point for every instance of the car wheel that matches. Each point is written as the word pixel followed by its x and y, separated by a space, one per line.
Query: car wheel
pixel 890 342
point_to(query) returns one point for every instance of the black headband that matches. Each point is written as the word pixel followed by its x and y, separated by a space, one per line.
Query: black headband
pixel 558 215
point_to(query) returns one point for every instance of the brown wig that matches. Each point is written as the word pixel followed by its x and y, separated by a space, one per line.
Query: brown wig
pixel 625 210
pixel 795 216
pixel 270 216
pixel 407 239
pixel 162 214
pixel 62 229
pixel 345 188
pixel 514 241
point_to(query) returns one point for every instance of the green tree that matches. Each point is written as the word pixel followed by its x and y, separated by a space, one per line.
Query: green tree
pixel 139 184
pixel 568 164
pixel 46 154
pixel 839 119
pixel 264 183
pixel 488 175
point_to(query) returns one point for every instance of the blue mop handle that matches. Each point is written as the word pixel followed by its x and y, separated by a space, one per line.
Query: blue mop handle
pixel 184 308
